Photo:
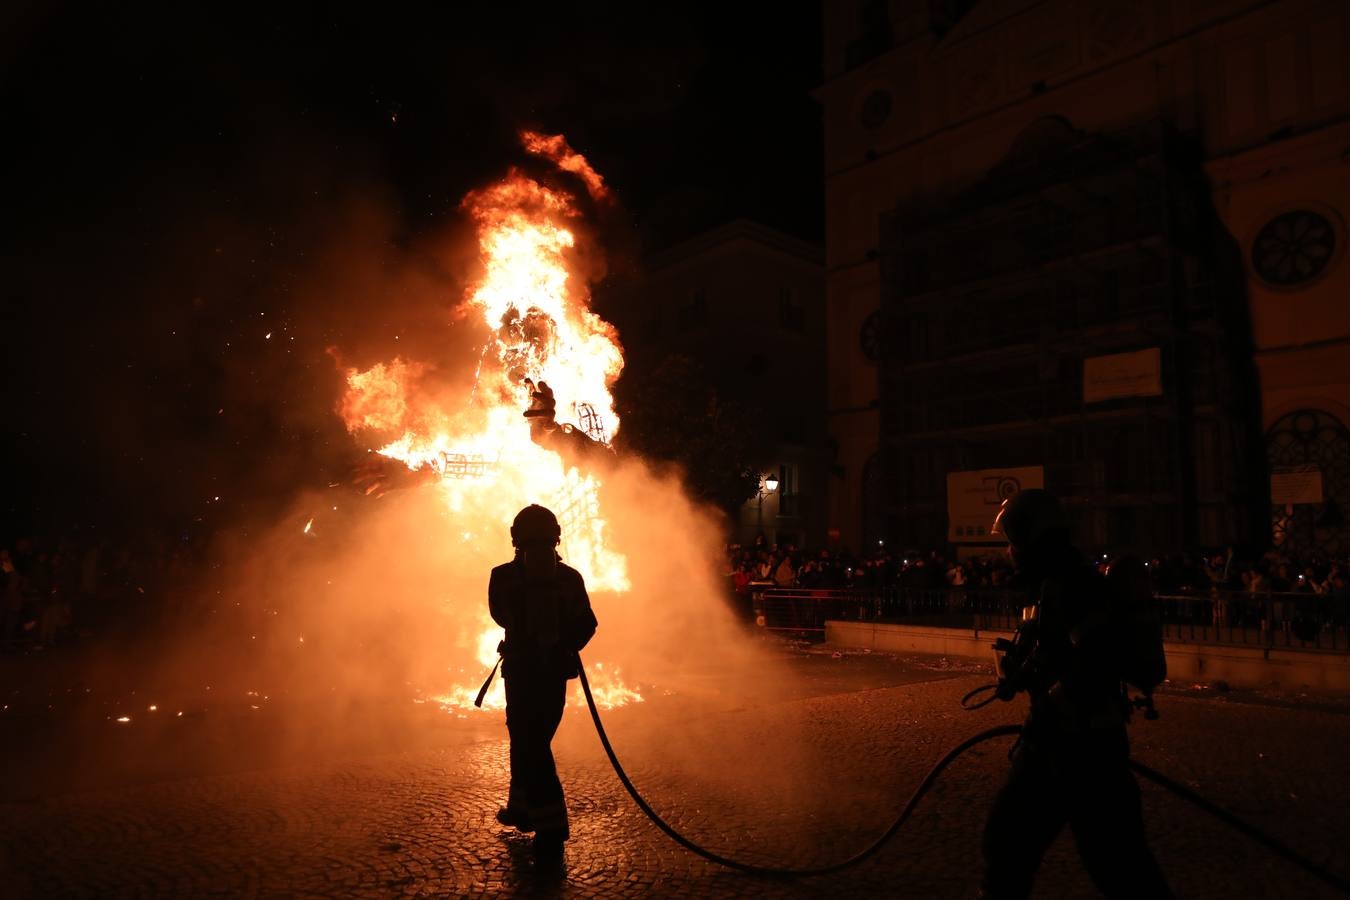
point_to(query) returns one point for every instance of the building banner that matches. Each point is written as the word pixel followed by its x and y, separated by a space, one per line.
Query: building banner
pixel 1296 484
pixel 1137 374
pixel 973 499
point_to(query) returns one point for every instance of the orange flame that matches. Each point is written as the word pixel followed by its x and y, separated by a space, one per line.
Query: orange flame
pixel 556 149
pixel 375 398
pixel 540 328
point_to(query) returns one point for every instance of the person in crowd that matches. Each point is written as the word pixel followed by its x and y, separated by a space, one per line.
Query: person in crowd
pixel 956 580
pixel 55 615
pixel 740 580
pixel 1256 581
pixel 763 570
pixel 1328 584
pixel 785 575
pixel 12 621
pixel 37 592
pixel 543 606
pixel 1281 582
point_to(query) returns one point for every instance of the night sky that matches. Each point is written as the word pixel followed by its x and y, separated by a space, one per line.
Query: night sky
pixel 184 183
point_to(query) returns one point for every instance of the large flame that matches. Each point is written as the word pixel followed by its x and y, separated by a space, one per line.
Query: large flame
pixel 539 329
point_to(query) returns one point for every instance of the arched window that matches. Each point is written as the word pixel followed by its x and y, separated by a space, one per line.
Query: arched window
pixel 1311 442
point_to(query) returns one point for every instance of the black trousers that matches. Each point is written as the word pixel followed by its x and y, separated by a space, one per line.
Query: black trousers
pixel 1088 786
pixel 534 707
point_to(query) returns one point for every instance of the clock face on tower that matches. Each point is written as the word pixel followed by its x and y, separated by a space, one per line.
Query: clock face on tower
pixel 869 337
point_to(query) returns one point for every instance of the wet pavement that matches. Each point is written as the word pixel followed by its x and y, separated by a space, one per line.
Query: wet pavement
pixel 802 771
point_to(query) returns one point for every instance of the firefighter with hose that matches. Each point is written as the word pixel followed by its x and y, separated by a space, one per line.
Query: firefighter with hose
pixel 1077 647
pixel 543 606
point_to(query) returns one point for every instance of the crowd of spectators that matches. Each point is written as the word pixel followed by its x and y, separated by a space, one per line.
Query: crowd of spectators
pixel 56 590
pixel 786 566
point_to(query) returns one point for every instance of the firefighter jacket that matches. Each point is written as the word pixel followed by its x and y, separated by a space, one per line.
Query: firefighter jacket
pixel 547 621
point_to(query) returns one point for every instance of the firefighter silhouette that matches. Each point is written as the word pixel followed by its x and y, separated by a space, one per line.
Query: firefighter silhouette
pixel 1071 766
pixel 543 606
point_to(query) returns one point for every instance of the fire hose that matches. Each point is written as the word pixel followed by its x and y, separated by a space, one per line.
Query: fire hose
pixel 1283 850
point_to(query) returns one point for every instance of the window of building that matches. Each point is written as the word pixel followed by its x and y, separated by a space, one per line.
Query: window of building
pixel 694 314
pixel 876 109
pixel 869 337
pixel 1294 248
pixel 790 313
pixel 788 499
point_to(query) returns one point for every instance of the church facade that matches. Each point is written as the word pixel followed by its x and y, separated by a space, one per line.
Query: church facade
pixel 1096 247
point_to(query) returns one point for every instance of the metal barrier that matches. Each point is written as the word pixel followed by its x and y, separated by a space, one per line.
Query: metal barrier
pixel 1298 621
pixel 806 609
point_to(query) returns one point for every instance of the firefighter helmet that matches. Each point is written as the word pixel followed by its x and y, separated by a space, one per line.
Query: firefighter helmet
pixel 1028 516
pixel 535 524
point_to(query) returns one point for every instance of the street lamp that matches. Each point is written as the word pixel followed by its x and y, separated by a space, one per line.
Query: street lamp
pixel 767 485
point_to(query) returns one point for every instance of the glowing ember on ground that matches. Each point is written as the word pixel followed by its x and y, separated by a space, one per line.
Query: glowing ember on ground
pixel 539 330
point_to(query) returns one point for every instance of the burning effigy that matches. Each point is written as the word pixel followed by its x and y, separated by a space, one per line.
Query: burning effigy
pixel 540 416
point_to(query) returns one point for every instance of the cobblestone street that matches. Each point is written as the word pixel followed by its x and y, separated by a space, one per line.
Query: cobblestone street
pixel 797 779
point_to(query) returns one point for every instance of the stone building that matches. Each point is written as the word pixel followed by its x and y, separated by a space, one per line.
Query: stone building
pixel 1094 245
pixel 747 303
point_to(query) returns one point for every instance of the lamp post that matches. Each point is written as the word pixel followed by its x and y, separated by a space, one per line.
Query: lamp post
pixel 767 485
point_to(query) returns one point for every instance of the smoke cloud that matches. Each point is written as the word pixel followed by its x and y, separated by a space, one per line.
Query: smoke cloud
pixel 342 615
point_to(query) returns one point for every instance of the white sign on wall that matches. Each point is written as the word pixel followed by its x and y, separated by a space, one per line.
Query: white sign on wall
pixel 1137 374
pixel 1301 484
pixel 973 499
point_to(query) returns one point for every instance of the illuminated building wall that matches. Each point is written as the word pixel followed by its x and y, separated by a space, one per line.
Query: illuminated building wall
pixel 923 101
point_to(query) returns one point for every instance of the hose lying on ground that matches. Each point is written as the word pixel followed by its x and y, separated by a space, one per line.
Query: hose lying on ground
pixel 773 871
pixel 1288 853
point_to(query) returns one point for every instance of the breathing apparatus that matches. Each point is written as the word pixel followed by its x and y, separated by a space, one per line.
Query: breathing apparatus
pixel 1012 657
pixel 1030 520
pixel 1038 532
